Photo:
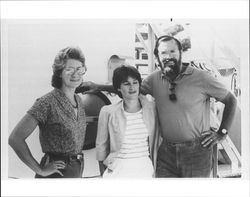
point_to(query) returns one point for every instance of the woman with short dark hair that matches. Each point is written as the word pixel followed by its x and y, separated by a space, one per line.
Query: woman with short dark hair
pixel 61 118
pixel 127 131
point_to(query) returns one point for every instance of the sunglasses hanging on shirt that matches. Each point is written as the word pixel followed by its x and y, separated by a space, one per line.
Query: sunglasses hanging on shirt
pixel 172 95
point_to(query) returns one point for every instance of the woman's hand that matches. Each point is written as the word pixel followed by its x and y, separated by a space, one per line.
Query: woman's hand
pixel 52 167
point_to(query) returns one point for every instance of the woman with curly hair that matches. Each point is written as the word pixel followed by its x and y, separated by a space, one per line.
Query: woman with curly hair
pixel 61 119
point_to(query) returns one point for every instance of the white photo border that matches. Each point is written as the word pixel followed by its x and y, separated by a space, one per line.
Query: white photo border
pixel 130 10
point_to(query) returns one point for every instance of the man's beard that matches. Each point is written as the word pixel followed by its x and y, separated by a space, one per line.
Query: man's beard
pixel 171 67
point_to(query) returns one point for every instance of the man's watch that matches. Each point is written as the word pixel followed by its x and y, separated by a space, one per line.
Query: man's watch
pixel 223 132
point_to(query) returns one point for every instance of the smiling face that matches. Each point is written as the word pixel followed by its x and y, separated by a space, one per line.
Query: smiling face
pixel 72 73
pixel 130 88
pixel 169 57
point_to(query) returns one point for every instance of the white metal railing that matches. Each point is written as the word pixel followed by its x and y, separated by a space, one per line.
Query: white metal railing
pixel 232 157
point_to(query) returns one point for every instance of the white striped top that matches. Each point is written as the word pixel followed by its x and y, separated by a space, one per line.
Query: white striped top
pixel 135 142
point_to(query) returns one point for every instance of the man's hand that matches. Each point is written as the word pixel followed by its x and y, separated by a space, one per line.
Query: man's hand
pixel 211 138
pixel 87 87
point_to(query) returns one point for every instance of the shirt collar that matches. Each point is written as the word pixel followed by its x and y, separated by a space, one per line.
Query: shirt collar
pixel 143 100
pixel 60 95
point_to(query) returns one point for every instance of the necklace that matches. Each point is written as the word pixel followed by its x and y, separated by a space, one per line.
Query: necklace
pixel 74 106
pixel 75 101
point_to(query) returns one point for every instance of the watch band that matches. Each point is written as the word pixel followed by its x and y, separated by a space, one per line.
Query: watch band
pixel 223 132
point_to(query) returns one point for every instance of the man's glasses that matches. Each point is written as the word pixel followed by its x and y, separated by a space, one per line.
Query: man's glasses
pixel 172 95
pixel 79 71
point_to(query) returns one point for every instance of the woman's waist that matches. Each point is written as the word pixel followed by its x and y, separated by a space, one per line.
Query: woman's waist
pixel 62 147
pixel 61 140
pixel 132 155
pixel 64 156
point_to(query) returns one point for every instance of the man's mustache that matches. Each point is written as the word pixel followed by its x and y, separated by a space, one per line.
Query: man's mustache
pixel 165 61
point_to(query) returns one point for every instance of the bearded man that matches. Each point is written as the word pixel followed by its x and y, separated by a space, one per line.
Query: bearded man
pixel 182 95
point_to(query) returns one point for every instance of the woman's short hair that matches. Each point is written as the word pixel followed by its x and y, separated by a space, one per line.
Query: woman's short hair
pixel 60 61
pixel 121 75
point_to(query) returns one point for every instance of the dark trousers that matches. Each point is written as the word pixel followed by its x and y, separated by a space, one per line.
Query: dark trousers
pixel 73 169
pixel 187 159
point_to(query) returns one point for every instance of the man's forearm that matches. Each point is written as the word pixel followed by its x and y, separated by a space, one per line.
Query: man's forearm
pixel 108 88
pixel 229 112
pixel 92 87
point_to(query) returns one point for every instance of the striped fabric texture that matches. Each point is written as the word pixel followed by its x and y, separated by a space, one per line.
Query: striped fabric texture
pixel 135 142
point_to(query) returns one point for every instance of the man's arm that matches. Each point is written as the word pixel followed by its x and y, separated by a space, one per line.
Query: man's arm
pixel 229 111
pixel 212 138
pixel 90 87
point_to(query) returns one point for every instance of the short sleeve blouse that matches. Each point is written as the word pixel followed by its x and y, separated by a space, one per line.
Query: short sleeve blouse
pixel 60 130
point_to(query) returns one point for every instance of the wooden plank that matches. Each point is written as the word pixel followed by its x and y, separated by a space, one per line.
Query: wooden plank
pixel 233 147
pixel 232 157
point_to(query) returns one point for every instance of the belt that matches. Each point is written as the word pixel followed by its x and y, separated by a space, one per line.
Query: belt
pixel 78 156
pixel 188 142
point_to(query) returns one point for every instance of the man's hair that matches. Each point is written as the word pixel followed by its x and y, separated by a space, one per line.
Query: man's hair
pixel 164 39
pixel 60 61
pixel 121 75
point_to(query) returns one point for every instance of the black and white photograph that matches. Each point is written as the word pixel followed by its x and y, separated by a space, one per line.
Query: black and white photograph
pixel 90 101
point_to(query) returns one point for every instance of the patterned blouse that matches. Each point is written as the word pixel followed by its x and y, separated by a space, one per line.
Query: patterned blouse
pixel 60 130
